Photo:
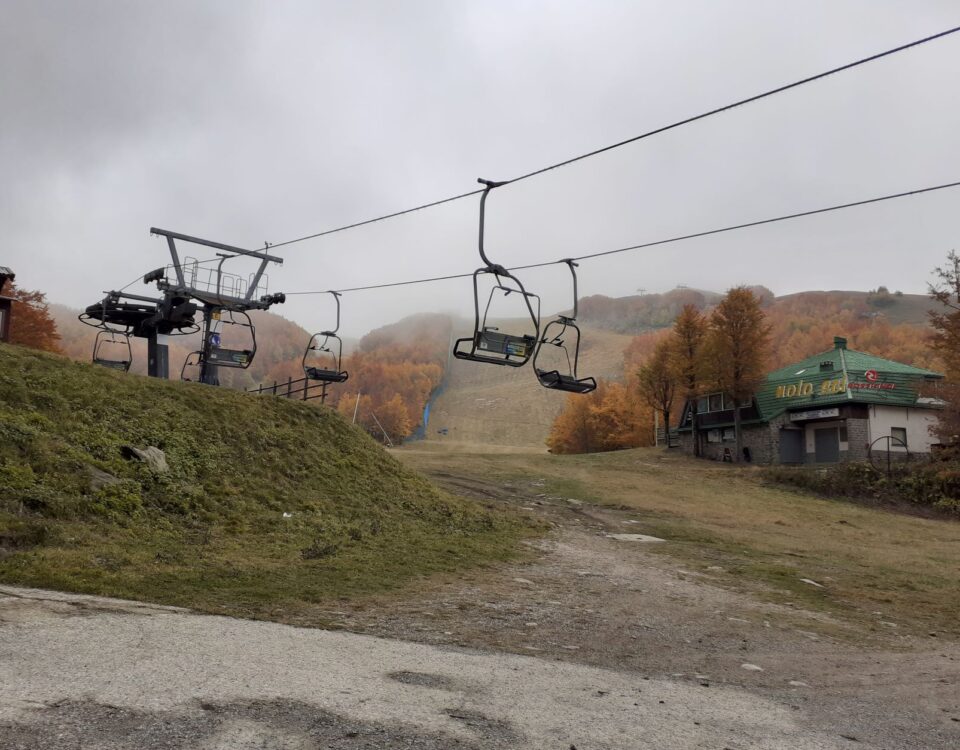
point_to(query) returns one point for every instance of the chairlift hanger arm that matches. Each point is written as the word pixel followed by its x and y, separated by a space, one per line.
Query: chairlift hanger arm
pixel 490 185
pixel 572 265
pixel 336 298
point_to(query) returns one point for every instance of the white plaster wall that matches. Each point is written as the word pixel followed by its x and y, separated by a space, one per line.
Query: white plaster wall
pixel 916 421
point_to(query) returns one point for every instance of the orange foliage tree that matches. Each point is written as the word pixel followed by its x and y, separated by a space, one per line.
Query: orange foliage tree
pixel 30 321
pixel 687 349
pixel 803 325
pixel 658 382
pixel 738 344
pixel 946 341
pixel 610 418
pixel 395 369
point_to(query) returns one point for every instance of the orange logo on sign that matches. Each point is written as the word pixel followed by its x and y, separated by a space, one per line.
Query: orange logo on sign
pixel 871 375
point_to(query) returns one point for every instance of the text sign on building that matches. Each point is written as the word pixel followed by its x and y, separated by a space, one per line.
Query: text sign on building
pixel 814 414
pixel 805 388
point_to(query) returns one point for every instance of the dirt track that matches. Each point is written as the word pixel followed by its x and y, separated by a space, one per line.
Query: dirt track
pixel 594 642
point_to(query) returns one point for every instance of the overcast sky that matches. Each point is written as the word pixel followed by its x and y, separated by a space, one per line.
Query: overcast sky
pixel 246 122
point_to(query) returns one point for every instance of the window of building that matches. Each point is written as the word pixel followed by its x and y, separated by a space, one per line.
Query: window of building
pixel 712 402
pixel 843 433
pixel 899 437
pixel 729 435
pixel 713 436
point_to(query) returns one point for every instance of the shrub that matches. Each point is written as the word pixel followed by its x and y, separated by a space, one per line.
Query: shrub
pixel 929 484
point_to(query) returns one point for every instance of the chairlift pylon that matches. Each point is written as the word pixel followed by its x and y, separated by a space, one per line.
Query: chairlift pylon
pixel 111 348
pixel 325 351
pixel 489 344
pixel 564 334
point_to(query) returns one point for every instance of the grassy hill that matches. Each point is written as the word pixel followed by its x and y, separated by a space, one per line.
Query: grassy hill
pixel 896 308
pixel 267 505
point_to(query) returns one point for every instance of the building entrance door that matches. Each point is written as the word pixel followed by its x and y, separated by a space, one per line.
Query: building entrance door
pixel 791 446
pixel 826 443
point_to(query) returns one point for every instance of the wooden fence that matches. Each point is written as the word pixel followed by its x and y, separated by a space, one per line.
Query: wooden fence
pixel 302 389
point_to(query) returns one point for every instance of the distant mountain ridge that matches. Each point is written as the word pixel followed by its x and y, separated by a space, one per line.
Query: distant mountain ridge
pixel 640 313
pixel 498 405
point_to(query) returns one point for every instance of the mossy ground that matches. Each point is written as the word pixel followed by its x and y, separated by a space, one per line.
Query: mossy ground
pixel 268 505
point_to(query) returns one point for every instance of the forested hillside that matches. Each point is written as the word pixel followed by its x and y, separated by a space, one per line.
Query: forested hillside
pixel 394 370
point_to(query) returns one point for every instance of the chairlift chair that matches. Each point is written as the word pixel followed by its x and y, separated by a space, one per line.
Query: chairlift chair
pixel 325 352
pixel 224 357
pixel 489 344
pixel 193 359
pixel 112 349
pixel 564 334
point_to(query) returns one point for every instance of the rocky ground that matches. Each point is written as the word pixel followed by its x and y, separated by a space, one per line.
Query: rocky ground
pixel 594 641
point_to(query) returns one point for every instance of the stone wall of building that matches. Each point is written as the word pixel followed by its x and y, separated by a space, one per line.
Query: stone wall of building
pixel 858 438
pixel 761 439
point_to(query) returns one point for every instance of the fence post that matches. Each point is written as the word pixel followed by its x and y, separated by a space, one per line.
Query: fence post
pixel 274 387
pixel 289 381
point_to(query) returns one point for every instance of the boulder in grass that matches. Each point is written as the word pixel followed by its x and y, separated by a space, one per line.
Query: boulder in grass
pixel 152 456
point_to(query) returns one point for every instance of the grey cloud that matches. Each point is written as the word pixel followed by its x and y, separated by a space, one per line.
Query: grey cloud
pixel 254 121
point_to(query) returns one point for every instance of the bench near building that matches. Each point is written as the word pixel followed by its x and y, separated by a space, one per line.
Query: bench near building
pixel 827 408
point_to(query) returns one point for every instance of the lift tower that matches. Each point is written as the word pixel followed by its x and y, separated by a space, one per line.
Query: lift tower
pixel 219 293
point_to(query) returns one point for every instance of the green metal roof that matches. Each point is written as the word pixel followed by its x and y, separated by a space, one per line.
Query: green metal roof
pixel 841 376
pixel 832 378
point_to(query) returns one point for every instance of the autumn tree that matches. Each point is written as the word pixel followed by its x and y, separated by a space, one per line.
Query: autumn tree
pixel 687 354
pixel 30 321
pixel 658 382
pixel 946 342
pixel 394 419
pixel 738 347
pixel 572 431
pixel 610 418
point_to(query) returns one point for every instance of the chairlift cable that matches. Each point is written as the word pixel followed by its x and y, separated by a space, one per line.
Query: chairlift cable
pixel 642 136
pixel 680 238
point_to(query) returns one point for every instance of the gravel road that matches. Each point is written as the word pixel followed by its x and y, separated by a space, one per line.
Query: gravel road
pixel 84 672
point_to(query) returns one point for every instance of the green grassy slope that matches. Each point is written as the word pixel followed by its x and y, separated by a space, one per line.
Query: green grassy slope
pixel 211 533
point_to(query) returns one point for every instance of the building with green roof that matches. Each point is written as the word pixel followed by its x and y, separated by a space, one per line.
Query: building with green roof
pixel 826 408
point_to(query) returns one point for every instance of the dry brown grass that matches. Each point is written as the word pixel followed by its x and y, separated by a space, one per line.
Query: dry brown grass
pixel 486 404
pixel 886 571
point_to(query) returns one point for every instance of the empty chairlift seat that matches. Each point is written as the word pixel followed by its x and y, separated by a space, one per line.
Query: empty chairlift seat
pixel 562 337
pixel 322 360
pixel 489 344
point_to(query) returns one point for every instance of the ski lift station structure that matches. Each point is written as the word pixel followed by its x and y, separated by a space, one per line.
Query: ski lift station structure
pixel 223 298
